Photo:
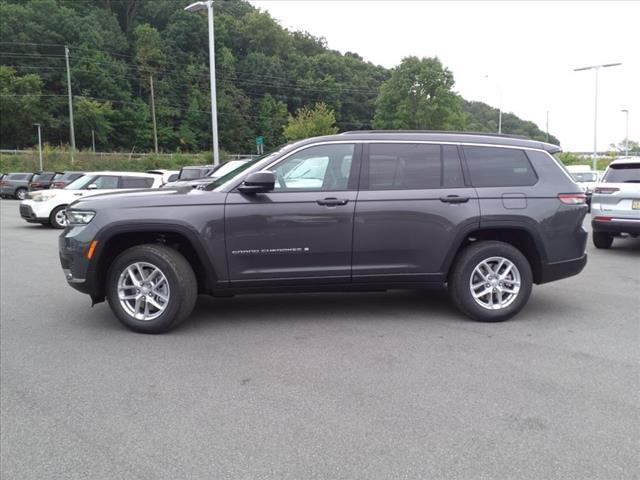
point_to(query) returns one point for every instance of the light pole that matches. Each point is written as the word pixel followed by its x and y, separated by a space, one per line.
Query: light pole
pixel 595 114
pixel 39 144
pixel 626 135
pixel 499 105
pixel 196 7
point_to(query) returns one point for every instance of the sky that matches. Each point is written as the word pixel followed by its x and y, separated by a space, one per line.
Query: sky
pixel 518 54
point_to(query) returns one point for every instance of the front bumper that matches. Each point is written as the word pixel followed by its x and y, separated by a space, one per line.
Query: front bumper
pixel 558 270
pixel 617 225
pixel 73 245
pixel 27 213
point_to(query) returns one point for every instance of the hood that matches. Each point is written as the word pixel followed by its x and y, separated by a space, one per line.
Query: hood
pixel 148 198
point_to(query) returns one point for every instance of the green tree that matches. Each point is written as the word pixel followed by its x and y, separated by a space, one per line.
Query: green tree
pixel 419 95
pixel 621 147
pixel 311 122
pixel 20 108
pixel 92 115
pixel 271 118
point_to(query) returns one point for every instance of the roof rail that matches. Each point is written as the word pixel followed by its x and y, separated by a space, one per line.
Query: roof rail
pixel 452 132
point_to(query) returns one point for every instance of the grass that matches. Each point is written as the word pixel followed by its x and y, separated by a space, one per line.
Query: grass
pixel 57 159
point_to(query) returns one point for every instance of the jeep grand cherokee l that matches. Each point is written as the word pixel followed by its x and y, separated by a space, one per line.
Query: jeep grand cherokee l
pixel 487 215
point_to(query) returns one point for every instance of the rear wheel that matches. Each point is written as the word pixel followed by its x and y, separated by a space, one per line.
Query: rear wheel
pixel 151 288
pixel 490 281
pixel 602 240
pixel 58 219
pixel 21 193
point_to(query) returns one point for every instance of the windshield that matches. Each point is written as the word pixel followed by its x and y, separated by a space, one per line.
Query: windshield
pixel 623 173
pixel 191 173
pixel 80 183
pixel 229 176
pixel 585 176
pixel 227 168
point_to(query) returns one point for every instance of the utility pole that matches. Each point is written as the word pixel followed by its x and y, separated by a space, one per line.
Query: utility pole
pixel 39 144
pixel 595 114
pixel 499 105
pixel 547 126
pixel 153 114
pixel 626 135
pixel 72 130
pixel 93 140
pixel 196 7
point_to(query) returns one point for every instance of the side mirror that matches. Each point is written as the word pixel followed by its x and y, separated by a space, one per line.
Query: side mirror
pixel 258 182
pixel 92 186
pixel 173 177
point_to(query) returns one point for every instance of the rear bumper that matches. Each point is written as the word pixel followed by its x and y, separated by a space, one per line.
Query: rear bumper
pixel 558 270
pixel 617 225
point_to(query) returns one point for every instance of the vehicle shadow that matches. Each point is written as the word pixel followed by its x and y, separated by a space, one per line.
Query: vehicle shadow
pixel 332 306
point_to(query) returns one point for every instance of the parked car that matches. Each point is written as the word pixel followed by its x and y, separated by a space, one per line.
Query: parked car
pixel 15 185
pixel 196 171
pixel 42 180
pixel 62 179
pixel 487 215
pixel 47 207
pixel 167 175
pixel 217 172
pixel 615 206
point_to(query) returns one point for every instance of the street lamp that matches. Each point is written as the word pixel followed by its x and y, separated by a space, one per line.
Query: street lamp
pixel 595 115
pixel 39 144
pixel 499 106
pixel 197 7
pixel 626 135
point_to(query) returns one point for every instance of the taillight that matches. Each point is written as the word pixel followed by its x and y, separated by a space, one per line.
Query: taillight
pixel 607 190
pixel 602 218
pixel 35 184
pixel 572 198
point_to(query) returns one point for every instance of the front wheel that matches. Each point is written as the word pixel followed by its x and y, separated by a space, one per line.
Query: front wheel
pixel 58 219
pixel 490 281
pixel 151 288
pixel 602 240
pixel 21 193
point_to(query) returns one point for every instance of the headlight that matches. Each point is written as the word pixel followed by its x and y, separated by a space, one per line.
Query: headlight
pixel 41 198
pixel 80 217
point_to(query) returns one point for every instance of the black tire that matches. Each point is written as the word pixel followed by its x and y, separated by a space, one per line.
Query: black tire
pixel 602 240
pixel 52 217
pixel 21 193
pixel 182 282
pixel 462 270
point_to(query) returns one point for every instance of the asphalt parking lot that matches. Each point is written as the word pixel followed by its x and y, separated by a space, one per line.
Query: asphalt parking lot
pixel 319 386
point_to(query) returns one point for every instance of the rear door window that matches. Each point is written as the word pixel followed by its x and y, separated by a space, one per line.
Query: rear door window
pixel 499 167
pixel 412 166
pixel 136 182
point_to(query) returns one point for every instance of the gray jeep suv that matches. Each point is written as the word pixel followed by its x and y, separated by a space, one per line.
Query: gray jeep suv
pixel 487 215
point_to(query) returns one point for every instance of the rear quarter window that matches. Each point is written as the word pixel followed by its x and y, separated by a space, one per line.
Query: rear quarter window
pixel 499 167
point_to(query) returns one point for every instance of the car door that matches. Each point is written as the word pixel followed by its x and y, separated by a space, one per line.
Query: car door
pixel 301 232
pixel 412 206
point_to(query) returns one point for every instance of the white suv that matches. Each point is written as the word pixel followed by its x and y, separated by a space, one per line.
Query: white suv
pixel 47 206
pixel 615 205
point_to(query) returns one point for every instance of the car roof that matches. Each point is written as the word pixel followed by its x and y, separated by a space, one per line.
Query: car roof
pixel 439 136
pixel 124 174
pixel 625 160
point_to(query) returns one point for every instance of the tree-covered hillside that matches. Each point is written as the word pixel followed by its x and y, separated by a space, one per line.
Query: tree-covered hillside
pixel 118 47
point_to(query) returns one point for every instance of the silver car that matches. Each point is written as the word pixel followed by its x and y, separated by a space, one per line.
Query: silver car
pixel 615 206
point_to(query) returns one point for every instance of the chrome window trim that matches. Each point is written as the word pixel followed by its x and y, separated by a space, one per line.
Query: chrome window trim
pixel 331 142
